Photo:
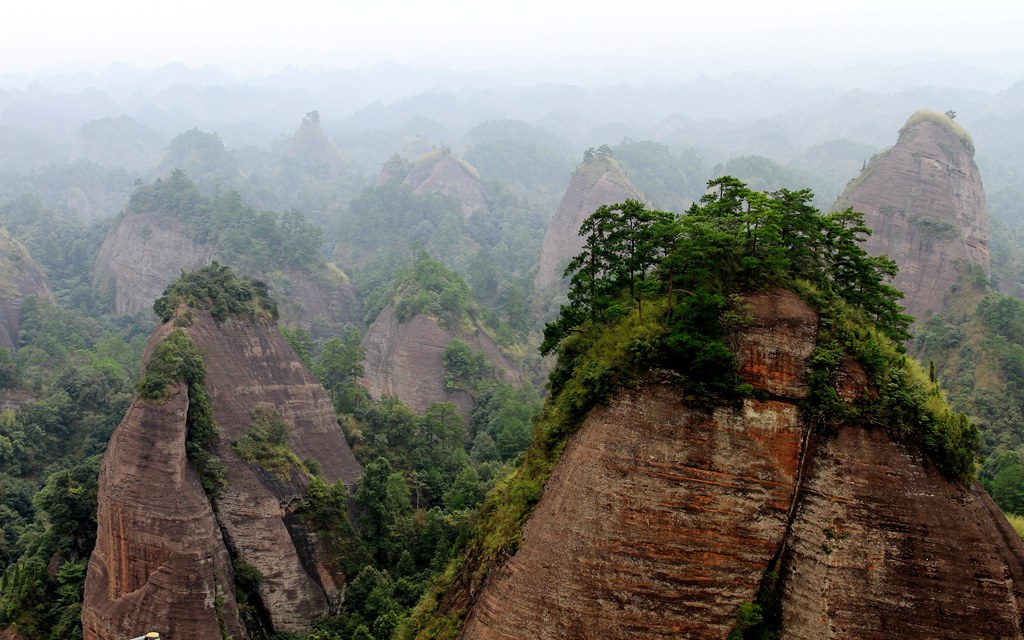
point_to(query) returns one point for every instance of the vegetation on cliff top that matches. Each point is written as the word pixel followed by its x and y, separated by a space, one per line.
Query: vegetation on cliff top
pixel 655 291
pixel 216 289
pixel 943 120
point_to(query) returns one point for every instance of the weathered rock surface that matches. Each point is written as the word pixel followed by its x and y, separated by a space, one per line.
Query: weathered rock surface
pixel 883 546
pixel 407 360
pixel 160 562
pixel 19 277
pixel 248 365
pixel 925 202
pixel 441 172
pixel 146 251
pixel 660 520
pixel 143 254
pixel 595 183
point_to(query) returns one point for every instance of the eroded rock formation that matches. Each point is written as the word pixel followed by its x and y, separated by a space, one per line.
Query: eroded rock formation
pixel 598 181
pixel 406 359
pixel 146 251
pixel 925 202
pixel 143 254
pixel 162 557
pixel 19 277
pixel 441 172
pixel 661 519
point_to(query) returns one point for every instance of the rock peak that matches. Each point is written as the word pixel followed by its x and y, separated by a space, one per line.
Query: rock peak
pixel 925 203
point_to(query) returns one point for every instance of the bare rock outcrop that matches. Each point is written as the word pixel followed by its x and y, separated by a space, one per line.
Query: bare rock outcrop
pixel 406 359
pixel 143 254
pixel 248 366
pixel 596 182
pixel 146 251
pixel 19 277
pixel 661 519
pixel 925 203
pixel 441 172
pixel 159 562
pixel 883 546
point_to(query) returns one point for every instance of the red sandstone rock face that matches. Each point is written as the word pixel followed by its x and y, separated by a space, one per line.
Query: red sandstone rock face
pixel 883 546
pixel 595 183
pixel 925 202
pixel 440 172
pixel 660 520
pixel 248 365
pixel 19 277
pixel 159 562
pixel 142 255
pixel 639 537
pixel 772 350
pixel 407 360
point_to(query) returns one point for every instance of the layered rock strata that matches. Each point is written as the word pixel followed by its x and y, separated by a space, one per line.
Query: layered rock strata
pixel 925 203
pixel 248 366
pixel 661 520
pixel 406 359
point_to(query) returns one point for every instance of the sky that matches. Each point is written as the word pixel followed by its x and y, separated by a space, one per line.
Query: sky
pixel 262 36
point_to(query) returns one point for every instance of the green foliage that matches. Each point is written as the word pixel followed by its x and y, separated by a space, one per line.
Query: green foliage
pixel 216 289
pixel 432 289
pixel 339 368
pixel 944 121
pixel 177 359
pixel 255 242
pixel 266 444
pixel 464 367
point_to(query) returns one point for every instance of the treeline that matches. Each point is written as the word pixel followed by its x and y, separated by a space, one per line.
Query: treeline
pixel 734 239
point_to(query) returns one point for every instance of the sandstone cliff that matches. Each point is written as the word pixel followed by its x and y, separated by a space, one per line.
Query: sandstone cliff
pixel 596 182
pixel 661 519
pixel 143 253
pixel 147 250
pixel 163 556
pixel 441 172
pixel 924 200
pixel 406 359
pixel 19 277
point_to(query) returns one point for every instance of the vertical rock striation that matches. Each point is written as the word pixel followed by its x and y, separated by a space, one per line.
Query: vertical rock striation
pixel 661 519
pixel 925 202
pixel 406 359
pixel 165 514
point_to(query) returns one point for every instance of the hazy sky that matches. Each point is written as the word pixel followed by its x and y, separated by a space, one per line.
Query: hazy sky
pixel 265 35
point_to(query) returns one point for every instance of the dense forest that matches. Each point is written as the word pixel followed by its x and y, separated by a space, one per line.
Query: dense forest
pixel 346 199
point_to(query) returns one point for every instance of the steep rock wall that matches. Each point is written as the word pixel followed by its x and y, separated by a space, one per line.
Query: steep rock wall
pixel 248 365
pixel 595 183
pixel 883 546
pixel 925 202
pixel 159 562
pixel 145 252
pixel 19 277
pixel 142 255
pixel 660 520
pixel 406 359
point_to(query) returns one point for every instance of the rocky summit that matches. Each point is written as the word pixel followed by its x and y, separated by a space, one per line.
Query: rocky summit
pixel 925 203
